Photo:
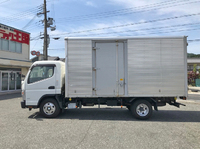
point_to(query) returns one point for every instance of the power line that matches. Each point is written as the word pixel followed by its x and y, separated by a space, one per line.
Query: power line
pixel 146 29
pixel 28 24
pixel 127 11
pixel 35 38
pixel 21 15
pixel 156 32
pixel 194 40
pixel 34 45
pixel 52 49
pixel 140 7
pixel 110 12
pixel 35 25
pixel 130 24
pixel 154 28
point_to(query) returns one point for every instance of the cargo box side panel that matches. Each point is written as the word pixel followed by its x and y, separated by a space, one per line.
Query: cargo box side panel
pixel 144 70
pixel 173 67
pixel 156 67
pixel 79 68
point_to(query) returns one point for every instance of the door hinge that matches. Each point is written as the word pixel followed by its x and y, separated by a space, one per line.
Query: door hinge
pixel 94 68
pixel 94 89
pixel 95 48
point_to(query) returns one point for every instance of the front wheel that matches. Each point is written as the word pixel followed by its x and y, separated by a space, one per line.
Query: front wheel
pixel 49 108
pixel 141 109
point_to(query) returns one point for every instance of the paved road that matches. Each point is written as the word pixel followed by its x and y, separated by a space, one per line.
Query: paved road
pixel 91 128
pixel 195 97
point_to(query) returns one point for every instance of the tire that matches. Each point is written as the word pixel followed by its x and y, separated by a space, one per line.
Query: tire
pixel 141 109
pixel 49 108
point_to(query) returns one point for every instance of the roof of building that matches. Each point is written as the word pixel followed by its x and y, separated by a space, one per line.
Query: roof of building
pixel 193 60
pixel 11 28
pixel 125 38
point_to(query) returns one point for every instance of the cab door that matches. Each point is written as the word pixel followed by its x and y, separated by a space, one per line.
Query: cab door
pixel 41 81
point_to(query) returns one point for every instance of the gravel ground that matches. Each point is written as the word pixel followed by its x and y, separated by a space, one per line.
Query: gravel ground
pixel 90 127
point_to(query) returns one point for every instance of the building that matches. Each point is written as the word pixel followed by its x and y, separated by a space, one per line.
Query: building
pixel 50 58
pixel 14 58
pixel 191 62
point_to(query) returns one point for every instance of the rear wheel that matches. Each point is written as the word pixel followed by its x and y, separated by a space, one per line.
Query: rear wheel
pixel 141 109
pixel 49 108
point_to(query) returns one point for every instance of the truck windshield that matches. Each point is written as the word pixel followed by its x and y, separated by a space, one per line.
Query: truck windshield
pixel 39 73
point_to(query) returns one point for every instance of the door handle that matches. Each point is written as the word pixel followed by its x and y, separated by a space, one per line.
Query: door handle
pixel 51 87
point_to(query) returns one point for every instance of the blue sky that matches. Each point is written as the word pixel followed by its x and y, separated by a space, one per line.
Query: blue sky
pixel 104 18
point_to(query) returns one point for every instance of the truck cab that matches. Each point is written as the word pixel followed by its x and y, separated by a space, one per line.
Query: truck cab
pixel 45 79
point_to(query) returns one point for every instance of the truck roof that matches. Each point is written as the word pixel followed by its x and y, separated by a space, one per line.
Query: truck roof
pixel 124 38
pixel 48 62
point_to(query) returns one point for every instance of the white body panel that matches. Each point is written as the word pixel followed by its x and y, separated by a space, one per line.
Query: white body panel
pixel 127 67
pixel 156 67
pixel 78 68
pixel 34 91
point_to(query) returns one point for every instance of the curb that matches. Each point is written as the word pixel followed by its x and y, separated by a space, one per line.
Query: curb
pixel 9 93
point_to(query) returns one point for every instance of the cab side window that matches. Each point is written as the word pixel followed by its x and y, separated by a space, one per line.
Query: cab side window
pixel 39 73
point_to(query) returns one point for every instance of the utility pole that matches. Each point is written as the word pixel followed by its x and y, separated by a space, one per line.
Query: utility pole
pixel 47 24
pixel 45 53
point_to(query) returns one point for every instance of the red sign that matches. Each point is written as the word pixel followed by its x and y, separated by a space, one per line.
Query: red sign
pixel 35 53
pixel 16 35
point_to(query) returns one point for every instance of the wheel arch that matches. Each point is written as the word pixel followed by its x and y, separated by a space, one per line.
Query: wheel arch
pixel 149 99
pixel 45 97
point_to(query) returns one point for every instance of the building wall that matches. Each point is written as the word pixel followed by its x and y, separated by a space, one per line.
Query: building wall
pixel 14 58
pixel 15 39
pixel 17 56
pixel 191 62
pixel 24 72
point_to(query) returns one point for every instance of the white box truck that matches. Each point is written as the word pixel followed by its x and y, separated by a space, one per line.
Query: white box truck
pixel 137 73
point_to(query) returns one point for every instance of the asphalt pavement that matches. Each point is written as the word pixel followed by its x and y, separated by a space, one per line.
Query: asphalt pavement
pixel 108 127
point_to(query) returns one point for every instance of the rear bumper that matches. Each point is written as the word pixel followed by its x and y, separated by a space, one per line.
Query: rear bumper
pixel 23 104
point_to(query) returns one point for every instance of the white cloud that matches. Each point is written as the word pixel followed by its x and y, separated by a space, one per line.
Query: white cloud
pixel 90 3
pixel 173 7
pixel 133 3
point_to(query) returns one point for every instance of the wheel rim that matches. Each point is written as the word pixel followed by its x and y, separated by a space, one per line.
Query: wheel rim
pixel 142 109
pixel 49 108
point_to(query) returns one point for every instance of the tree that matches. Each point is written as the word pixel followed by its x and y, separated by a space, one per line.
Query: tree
pixel 192 75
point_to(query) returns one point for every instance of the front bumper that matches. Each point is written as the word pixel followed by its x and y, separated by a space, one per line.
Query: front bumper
pixel 23 104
